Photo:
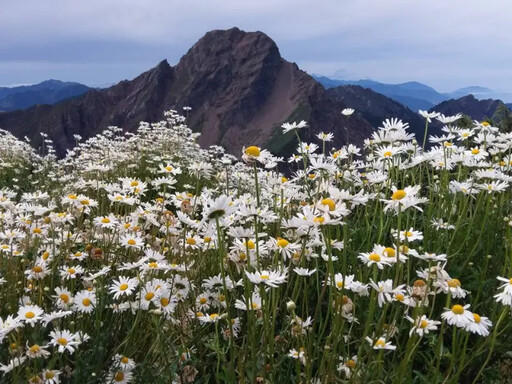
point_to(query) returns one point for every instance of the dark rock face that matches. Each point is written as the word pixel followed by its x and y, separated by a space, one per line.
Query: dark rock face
pixel 239 88
pixel 375 107
pixel 469 105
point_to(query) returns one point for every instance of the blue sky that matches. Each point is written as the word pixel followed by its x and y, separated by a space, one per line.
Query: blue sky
pixel 447 44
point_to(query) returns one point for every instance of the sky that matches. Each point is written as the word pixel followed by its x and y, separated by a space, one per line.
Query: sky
pixel 447 44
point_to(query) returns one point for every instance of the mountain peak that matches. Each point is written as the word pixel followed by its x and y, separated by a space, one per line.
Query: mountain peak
pixel 232 45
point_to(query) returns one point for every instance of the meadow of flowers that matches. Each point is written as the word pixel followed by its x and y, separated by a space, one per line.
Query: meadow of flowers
pixel 144 258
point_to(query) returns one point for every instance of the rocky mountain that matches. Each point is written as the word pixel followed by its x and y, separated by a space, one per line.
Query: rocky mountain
pixel 240 90
pixel 47 92
pixel 239 87
pixel 375 107
pixel 469 105
pixel 412 94
pixel 416 95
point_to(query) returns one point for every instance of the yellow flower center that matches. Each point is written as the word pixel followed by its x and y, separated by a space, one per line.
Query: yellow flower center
pixel 389 252
pixel 330 203
pixel 37 231
pixel 131 242
pixel 477 318
pixel 458 309
pixel 119 376
pixel 72 197
pixel 253 151
pixel 64 297
pixel 485 123
pixel 123 287
pixel 30 315
pixel 134 183
pixel 105 220
pixel 191 241
pixel 339 284
pixel 164 301
pixel 62 341
pixel 202 300
pixel 454 283
pixel 408 234
pixel 49 375
pixel 242 256
pixel 71 271
pixel 149 296
pixel 153 265
pixel 319 220
pixel 284 179
pixel 214 315
pixel 250 244
pixel 282 243
pixel 350 364
pixel 85 202
pixel 423 324
pixel 374 257
pixel 400 297
pixel 86 302
pixel 398 194
pixel 387 154
pixel 264 277
pixel 380 343
pixel 168 169
pixel 207 239
pixel 475 151
pixel 254 306
pixel 37 269
pixel 35 348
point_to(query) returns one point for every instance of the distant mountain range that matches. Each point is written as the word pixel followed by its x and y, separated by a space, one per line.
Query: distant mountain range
pixel 240 90
pixel 416 95
pixel 47 92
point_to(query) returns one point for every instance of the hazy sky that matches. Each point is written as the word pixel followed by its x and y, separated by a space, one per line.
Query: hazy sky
pixel 444 43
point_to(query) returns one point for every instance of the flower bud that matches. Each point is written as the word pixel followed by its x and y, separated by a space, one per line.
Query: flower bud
pixel 290 306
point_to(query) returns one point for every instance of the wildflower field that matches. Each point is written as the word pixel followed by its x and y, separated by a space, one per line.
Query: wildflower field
pixel 143 258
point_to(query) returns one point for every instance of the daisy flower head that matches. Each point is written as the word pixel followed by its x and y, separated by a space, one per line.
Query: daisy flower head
pixel 422 325
pixel 428 116
pixel 304 271
pixel 401 199
pixel 480 325
pixel 458 315
pixel 287 127
pixel 64 340
pixel 255 153
pixel 343 282
pixel 51 376
pixel 271 278
pixel 37 351
pixel 68 273
pixel 371 258
pixel 347 111
pixel 124 286
pixel 119 377
pixel 30 314
pixel 109 221
pixel 381 343
pixel 133 242
pixel 84 301
pixel 221 206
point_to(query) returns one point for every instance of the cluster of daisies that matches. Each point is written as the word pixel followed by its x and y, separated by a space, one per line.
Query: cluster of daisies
pixel 140 256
